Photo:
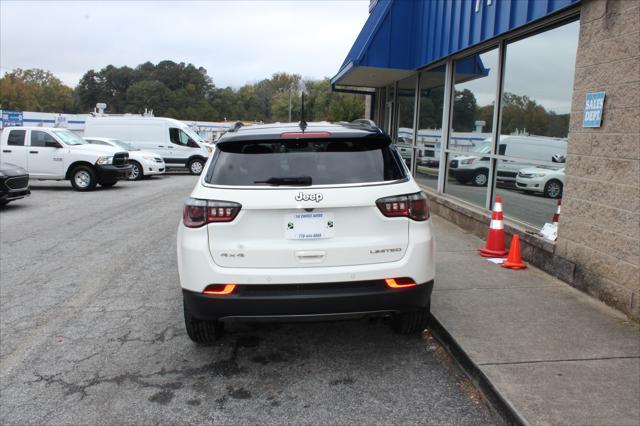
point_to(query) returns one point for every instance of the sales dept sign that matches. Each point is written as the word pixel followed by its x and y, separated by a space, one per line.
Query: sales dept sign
pixel 593 108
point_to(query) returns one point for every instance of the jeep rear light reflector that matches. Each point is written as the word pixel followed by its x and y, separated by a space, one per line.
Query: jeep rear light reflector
pixel 413 206
pixel 200 212
pixel 300 135
pixel 219 289
pixel 399 282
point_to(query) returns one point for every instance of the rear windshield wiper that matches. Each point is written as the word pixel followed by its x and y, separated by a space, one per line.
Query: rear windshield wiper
pixel 291 181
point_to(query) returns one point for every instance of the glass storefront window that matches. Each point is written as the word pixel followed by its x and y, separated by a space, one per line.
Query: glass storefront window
pixel 536 101
pixel 469 146
pixel 473 100
pixel 405 114
pixel 428 144
pixel 468 175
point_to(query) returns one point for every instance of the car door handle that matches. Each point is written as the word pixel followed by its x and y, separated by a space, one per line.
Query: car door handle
pixel 160 146
pixel 6 150
pixel 33 152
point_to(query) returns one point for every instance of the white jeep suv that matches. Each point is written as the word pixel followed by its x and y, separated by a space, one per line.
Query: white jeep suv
pixel 305 223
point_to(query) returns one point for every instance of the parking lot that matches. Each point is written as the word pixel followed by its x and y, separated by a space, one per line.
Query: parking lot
pixel 92 332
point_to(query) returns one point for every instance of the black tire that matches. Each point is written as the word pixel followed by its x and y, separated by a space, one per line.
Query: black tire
pixel 480 178
pixel 83 178
pixel 108 184
pixel 137 172
pixel 196 166
pixel 411 322
pixel 553 189
pixel 202 332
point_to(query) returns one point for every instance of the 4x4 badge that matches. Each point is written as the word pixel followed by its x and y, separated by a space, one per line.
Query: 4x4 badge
pixel 309 197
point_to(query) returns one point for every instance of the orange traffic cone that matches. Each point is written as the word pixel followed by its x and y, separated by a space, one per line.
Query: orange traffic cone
pixel 514 261
pixel 495 239
pixel 556 215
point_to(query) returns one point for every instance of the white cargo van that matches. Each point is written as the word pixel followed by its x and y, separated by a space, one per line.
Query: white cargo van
pixel 173 140
pixel 474 167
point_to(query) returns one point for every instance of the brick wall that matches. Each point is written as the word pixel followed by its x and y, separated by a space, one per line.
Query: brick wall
pixel 600 221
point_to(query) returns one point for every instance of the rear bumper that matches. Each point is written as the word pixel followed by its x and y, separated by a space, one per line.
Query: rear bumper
pixel 108 173
pixel 307 302
pixel 197 268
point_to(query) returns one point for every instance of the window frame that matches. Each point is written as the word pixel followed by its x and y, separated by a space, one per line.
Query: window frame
pixel 572 14
pixel 31 134
pixel 24 137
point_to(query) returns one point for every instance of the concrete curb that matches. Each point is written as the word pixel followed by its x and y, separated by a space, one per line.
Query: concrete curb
pixel 500 404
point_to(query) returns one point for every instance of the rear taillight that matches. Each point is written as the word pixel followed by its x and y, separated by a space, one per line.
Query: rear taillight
pixel 413 206
pixel 200 212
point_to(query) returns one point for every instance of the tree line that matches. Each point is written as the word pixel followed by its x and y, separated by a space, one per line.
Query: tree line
pixel 519 113
pixel 178 90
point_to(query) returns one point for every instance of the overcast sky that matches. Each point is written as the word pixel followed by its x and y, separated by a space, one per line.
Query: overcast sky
pixel 236 41
pixel 541 67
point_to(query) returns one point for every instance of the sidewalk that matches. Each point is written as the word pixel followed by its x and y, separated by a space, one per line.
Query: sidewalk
pixel 553 354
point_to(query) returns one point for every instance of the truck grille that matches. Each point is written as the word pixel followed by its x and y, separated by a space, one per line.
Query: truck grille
pixel 17 183
pixel 120 159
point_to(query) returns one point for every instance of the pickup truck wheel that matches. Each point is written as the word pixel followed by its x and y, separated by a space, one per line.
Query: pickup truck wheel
pixel 201 331
pixel 480 178
pixel 108 184
pixel 136 171
pixel 196 166
pixel 411 322
pixel 83 178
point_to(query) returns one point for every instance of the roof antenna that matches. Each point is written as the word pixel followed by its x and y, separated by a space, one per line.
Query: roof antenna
pixel 303 123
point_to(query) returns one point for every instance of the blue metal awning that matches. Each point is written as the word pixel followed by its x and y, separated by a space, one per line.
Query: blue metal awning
pixel 402 36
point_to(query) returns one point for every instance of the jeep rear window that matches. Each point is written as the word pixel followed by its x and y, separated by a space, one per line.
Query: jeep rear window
pixel 327 161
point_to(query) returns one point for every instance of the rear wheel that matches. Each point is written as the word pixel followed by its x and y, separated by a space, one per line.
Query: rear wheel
pixel 201 331
pixel 411 322
pixel 83 178
pixel 195 166
pixel 480 178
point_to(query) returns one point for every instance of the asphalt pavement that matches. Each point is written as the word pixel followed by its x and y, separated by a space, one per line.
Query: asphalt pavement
pixel 91 332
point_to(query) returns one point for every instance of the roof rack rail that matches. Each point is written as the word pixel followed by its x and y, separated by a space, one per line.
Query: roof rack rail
pixel 236 126
pixel 365 123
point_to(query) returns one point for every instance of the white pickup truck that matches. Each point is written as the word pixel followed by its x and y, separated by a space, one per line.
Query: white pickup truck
pixel 59 154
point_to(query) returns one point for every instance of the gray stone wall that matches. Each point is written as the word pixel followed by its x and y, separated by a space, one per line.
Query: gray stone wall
pixel 600 221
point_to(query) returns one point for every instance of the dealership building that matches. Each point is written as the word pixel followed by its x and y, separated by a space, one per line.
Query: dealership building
pixel 534 101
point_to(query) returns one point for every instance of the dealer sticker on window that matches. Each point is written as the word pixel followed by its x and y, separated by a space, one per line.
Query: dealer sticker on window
pixel 306 226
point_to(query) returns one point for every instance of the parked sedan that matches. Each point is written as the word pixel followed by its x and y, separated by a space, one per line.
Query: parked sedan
pixel 14 183
pixel 547 180
pixel 143 163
